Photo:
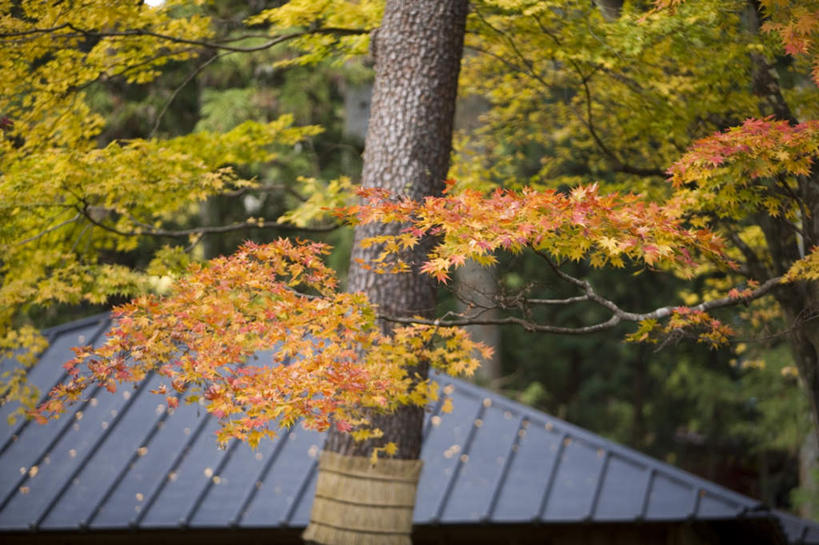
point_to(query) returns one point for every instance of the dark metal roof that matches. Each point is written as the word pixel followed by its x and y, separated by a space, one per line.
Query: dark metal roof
pixel 123 461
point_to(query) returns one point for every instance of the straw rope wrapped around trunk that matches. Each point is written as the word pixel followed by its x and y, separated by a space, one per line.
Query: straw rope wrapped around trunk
pixel 361 503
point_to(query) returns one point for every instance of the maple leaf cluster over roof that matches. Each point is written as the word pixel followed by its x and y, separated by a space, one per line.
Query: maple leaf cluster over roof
pixel 330 360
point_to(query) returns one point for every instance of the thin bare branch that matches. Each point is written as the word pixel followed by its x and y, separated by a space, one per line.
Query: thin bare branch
pixel 661 312
pixel 181 86
pixel 4 35
pixel 509 320
pixel 49 230
pixel 763 289
pixel 618 315
pixel 567 301
pixel 149 230
pixel 616 162
pixel 221 45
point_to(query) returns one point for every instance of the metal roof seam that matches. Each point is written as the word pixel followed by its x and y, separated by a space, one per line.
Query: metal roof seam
pixel 493 502
pixel 652 472
pixel 237 520
pixel 146 441
pixel 25 476
pixel 596 441
pixel 552 476
pixel 457 470
pixel 100 440
pixel 15 434
pixel 186 520
pixel 137 521
pixel 297 498
pixel 436 409
pixel 698 493
pixel 599 486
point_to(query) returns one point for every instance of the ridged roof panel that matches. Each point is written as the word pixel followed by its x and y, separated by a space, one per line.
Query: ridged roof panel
pixel 121 460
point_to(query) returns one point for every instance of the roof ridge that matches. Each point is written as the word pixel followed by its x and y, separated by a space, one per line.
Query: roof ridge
pixel 76 324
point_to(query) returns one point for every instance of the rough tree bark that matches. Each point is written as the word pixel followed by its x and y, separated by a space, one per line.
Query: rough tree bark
pixel 799 301
pixel 417 53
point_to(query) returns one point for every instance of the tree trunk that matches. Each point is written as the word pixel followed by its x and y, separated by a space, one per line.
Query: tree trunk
pixel 417 53
pixel 799 300
pixel 477 288
pixel 808 455
pixel 476 285
pixel 610 9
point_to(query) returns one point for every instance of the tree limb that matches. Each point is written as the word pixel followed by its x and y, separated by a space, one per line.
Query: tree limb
pixel 50 229
pixel 181 86
pixel 617 164
pixel 513 320
pixel 618 315
pixel 218 45
pixel 148 230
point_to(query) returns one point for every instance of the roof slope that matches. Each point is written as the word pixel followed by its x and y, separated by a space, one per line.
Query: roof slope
pixel 123 461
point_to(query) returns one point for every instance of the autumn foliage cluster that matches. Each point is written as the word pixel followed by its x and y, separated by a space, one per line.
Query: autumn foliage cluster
pixel 330 361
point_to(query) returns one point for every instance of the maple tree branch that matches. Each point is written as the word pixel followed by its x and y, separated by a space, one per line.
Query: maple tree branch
pixel 661 312
pixel 617 164
pixel 80 237
pixel 618 315
pixel 49 230
pixel 753 265
pixel 504 60
pixel 127 68
pixel 470 301
pixel 149 230
pixel 529 66
pixel 219 45
pixel 33 31
pixel 566 301
pixel 265 189
pixel 546 30
pixel 33 205
pixel 181 86
pixel 528 325
pixel 799 201
pixel 586 286
pixel 503 34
